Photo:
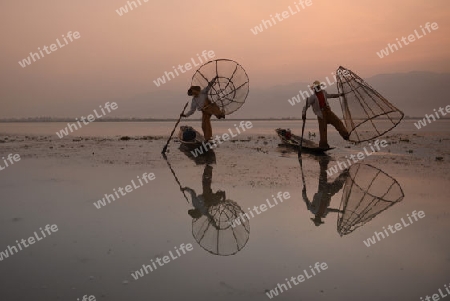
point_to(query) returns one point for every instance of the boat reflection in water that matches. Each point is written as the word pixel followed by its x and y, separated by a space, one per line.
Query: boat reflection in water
pixel 213 213
pixel 208 157
pixel 367 192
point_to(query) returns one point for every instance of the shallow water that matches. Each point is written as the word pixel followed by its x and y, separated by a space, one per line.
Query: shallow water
pixel 95 250
pixel 163 128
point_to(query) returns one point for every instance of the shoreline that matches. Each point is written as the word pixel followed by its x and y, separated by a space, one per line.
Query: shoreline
pixel 53 120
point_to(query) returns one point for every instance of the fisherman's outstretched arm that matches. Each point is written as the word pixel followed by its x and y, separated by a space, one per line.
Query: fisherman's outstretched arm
pixel 334 210
pixel 338 183
pixel 190 191
pixel 334 95
pixel 191 110
pixel 210 84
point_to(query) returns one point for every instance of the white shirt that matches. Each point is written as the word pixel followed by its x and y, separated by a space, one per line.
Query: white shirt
pixel 314 102
pixel 198 201
pixel 198 102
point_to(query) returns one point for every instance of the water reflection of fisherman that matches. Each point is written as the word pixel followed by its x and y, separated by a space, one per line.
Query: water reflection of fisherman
pixel 207 199
pixel 322 199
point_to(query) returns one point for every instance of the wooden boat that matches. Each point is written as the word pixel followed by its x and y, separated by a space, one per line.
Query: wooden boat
pixel 292 140
pixel 196 140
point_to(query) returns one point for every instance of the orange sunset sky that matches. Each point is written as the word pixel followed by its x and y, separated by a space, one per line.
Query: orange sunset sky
pixel 120 56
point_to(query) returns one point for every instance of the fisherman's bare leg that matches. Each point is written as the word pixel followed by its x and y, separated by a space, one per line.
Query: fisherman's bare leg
pixel 323 143
pixel 213 109
pixel 206 125
pixel 206 182
pixel 337 123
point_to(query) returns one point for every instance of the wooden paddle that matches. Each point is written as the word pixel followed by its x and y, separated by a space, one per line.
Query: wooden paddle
pixel 171 134
pixel 301 141
pixel 176 178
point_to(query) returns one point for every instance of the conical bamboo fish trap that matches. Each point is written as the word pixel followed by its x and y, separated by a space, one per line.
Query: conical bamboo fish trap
pixel 367 114
pixel 368 191
pixel 231 88
pixel 215 233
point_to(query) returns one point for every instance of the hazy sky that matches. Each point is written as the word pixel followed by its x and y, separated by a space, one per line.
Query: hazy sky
pixel 117 57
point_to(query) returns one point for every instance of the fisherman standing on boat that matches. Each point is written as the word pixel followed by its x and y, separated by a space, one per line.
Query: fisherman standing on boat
pixel 319 102
pixel 320 206
pixel 201 102
pixel 207 199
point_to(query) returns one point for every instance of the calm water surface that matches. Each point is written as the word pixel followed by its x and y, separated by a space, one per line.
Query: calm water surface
pixel 96 250
pixel 164 128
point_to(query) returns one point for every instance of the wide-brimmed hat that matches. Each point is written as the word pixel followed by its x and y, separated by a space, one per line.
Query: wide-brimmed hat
pixel 195 213
pixel 316 84
pixel 317 222
pixel 197 88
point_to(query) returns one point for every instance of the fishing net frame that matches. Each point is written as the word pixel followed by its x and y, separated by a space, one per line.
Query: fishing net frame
pixel 231 88
pixel 372 106
pixel 358 219
pixel 210 233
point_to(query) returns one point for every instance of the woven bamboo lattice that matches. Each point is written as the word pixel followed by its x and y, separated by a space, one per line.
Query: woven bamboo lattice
pixel 231 87
pixel 214 232
pixel 368 191
pixel 367 114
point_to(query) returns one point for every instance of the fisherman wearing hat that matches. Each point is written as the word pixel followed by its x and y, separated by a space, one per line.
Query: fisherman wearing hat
pixel 201 102
pixel 319 102
pixel 207 199
pixel 320 206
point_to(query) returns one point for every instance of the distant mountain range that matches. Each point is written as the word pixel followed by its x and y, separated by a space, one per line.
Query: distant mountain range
pixel 415 93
